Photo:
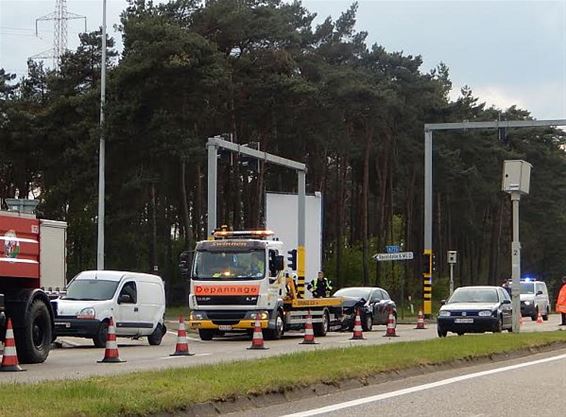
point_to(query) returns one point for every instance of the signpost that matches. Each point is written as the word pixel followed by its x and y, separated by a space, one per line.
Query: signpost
pixel 396 256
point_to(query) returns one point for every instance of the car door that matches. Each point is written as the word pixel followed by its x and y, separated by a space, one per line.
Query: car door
pixel 540 298
pixel 375 298
pixel 126 310
pixel 506 308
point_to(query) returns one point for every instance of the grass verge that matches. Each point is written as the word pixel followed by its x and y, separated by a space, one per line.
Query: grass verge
pixel 150 392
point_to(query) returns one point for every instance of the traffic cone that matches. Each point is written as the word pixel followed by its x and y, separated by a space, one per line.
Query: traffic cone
pixel 182 346
pixel 539 318
pixel 358 333
pixel 10 358
pixel 309 334
pixel 111 352
pixel 391 324
pixel 257 339
pixel 420 321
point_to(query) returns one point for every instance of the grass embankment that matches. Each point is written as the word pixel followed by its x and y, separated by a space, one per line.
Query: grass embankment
pixel 173 312
pixel 146 392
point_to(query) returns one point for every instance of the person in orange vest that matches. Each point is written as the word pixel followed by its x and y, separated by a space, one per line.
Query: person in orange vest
pixel 561 302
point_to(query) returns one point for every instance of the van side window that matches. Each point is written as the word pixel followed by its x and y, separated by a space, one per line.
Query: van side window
pixel 129 288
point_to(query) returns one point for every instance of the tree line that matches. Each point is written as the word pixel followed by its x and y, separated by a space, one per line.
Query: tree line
pixel 262 71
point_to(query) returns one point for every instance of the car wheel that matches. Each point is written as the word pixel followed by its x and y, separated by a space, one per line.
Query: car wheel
pixel 498 326
pixel 545 317
pixel 205 334
pixel 368 323
pixel 534 317
pixel 100 338
pixel 460 333
pixel 275 334
pixel 155 338
pixel 441 332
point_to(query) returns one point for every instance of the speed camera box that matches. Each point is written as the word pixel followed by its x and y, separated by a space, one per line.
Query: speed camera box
pixel 516 176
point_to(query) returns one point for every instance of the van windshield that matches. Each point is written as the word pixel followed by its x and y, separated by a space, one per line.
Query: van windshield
pixel 91 289
pixel 229 265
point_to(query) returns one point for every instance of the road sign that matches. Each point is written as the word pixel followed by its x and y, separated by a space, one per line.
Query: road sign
pixel 399 256
pixel 392 249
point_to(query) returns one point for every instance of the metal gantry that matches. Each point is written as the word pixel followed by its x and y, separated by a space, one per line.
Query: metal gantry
pixel 216 143
pixel 429 128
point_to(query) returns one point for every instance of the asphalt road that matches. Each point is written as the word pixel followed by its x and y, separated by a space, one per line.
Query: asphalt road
pixel 78 357
pixel 525 387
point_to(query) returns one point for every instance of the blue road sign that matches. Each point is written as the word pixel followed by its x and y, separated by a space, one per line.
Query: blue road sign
pixel 392 249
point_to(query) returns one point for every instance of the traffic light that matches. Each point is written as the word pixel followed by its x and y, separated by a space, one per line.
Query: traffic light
pixel 427 263
pixel 292 259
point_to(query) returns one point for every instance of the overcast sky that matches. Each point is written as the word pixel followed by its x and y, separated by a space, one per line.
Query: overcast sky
pixel 508 52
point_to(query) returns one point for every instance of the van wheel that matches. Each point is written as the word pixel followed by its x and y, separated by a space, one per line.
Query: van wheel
pixel 155 338
pixel 100 338
pixel 205 334
pixel 33 340
pixel 545 317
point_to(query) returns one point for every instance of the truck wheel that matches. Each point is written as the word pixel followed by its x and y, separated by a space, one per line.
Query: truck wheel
pixel 33 340
pixel 275 334
pixel 155 338
pixel 100 338
pixel 205 334
pixel 320 329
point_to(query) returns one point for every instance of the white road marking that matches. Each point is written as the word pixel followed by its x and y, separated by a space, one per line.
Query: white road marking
pixel 405 391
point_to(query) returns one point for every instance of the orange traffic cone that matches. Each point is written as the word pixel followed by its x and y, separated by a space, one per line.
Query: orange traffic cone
pixel 111 352
pixel 257 339
pixel 10 358
pixel 539 318
pixel 309 334
pixel 420 321
pixel 391 324
pixel 358 333
pixel 182 347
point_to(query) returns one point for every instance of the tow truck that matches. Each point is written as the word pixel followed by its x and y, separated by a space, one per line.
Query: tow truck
pixel 240 276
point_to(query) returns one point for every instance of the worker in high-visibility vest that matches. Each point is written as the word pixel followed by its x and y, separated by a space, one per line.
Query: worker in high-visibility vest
pixel 561 302
pixel 320 286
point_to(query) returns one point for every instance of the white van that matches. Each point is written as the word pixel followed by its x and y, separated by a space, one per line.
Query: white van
pixel 134 300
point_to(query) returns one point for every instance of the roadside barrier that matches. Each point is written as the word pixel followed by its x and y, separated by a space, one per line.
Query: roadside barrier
pixel 182 346
pixel 10 358
pixel 420 321
pixel 309 333
pixel 358 334
pixel 539 318
pixel 391 325
pixel 111 354
pixel 257 338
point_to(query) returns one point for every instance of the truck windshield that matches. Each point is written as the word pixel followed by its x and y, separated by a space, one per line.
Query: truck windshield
pixel 229 265
pixel 91 289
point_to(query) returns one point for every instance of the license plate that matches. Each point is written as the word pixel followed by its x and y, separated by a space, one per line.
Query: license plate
pixel 465 321
pixel 224 328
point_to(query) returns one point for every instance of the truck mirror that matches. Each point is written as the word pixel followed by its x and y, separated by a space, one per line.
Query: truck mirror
pixel 185 263
pixel 280 262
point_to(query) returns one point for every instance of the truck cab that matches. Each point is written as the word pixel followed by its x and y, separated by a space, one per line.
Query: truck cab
pixel 235 279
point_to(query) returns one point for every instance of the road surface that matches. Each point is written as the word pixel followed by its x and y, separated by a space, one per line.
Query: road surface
pixel 525 387
pixel 78 357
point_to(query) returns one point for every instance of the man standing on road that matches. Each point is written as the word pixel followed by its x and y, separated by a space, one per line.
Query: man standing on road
pixel 561 302
pixel 320 286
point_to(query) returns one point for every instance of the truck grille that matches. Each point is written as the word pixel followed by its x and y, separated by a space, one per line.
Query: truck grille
pixel 225 317
pixel 227 300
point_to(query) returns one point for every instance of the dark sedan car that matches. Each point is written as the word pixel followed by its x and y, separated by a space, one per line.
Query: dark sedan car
pixel 374 304
pixel 475 310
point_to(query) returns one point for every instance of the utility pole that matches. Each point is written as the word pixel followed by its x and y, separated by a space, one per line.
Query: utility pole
pixel 102 150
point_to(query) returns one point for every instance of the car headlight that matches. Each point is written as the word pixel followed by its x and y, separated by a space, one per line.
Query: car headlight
pixel 260 315
pixel 485 313
pixel 87 313
pixel 196 316
pixel 444 313
pixel 527 303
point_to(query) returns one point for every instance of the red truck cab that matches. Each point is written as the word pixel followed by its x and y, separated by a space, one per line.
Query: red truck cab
pixel 32 255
